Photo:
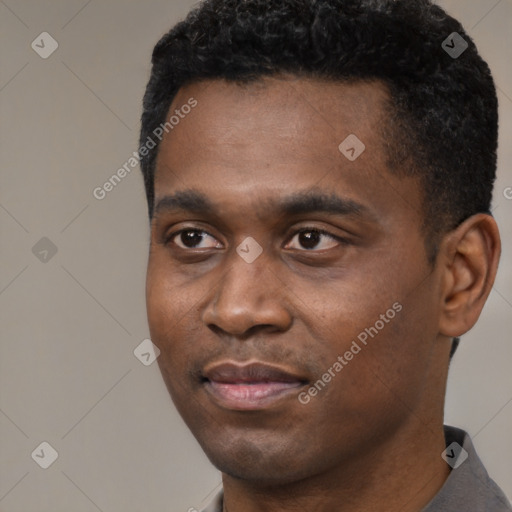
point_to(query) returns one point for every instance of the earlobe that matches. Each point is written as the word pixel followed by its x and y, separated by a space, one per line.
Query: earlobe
pixel 470 259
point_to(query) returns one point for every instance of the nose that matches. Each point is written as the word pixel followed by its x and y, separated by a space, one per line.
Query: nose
pixel 249 296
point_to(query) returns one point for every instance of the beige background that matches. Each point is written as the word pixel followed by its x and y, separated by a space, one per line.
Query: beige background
pixel 69 326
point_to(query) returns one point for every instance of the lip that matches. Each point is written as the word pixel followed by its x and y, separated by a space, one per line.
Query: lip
pixel 250 386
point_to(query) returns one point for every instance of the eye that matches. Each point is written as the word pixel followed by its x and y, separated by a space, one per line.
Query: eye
pixel 310 238
pixel 192 238
pixel 307 238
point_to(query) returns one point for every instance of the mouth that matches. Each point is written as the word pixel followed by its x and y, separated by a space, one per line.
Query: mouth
pixel 250 386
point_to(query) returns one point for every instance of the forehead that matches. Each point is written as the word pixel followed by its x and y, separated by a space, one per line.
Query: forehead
pixel 309 116
pixel 265 139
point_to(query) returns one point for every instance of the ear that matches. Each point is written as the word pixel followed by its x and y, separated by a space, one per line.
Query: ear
pixel 469 258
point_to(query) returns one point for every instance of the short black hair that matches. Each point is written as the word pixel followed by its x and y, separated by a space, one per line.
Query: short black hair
pixel 443 116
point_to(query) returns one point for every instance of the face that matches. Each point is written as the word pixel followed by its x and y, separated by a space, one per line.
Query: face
pixel 288 287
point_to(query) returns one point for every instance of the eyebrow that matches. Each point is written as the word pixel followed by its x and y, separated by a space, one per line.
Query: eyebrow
pixel 186 200
pixel 298 203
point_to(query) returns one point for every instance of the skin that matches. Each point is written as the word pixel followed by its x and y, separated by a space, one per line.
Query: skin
pixel 372 438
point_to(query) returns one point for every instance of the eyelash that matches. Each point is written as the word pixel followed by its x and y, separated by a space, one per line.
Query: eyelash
pixel 340 240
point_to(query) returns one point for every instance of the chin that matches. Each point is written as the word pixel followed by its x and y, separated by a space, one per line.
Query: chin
pixel 259 463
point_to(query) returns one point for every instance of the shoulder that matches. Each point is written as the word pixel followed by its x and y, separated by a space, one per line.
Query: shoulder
pixel 469 486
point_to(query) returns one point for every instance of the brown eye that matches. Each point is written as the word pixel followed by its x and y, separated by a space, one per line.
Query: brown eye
pixel 310 239
pixel 192 238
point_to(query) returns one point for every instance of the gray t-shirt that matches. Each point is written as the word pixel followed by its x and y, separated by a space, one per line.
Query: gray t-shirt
pixel 468 488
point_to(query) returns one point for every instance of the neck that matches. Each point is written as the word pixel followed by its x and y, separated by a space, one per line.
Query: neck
pixel 404 473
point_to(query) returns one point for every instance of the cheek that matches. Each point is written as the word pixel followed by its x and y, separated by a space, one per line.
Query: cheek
pixel 386 379
pixel 338 310
pixel 383 330
pixel 167 306
pixel 166 311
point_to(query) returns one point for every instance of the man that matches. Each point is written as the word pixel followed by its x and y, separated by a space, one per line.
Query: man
pixel 319 177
